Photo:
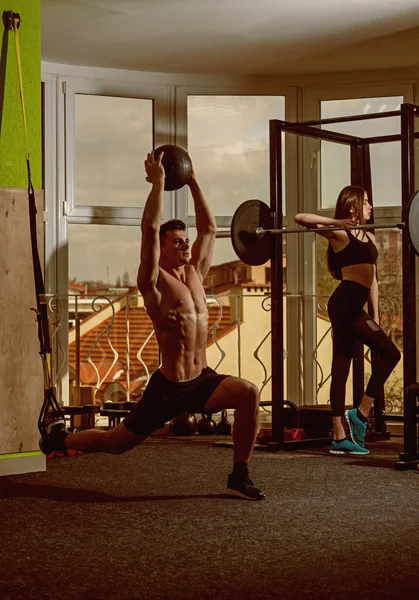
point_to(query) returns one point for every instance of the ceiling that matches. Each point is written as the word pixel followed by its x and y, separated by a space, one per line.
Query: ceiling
pixel 269 37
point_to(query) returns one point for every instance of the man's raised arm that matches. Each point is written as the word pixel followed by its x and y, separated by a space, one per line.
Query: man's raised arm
pixel 148 270
pixel 203 248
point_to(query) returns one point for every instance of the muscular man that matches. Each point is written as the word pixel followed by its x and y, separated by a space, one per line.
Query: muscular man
pixel 170 279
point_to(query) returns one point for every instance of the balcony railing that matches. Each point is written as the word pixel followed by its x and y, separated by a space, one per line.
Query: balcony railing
pixel 107 342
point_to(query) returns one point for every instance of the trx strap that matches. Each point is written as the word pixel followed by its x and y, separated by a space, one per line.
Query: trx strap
pixel 3 63
pixel 50 410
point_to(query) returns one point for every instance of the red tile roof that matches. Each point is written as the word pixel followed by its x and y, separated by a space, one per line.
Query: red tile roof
pixel 140 327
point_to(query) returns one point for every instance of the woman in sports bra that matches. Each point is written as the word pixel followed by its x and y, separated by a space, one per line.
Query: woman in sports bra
pixel 351 257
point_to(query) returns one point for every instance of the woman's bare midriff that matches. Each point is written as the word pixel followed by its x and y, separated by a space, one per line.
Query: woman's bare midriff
pixel 362 274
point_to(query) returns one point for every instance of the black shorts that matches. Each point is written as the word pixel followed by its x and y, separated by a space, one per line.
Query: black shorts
pixel 164 399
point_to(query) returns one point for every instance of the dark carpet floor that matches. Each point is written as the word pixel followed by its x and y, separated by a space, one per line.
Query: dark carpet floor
pixel 153 523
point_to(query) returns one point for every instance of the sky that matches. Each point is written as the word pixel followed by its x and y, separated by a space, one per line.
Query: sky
pixel 385 158
pixel 228 140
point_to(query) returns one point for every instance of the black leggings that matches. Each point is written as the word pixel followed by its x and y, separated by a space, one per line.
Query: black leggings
pixel 350 322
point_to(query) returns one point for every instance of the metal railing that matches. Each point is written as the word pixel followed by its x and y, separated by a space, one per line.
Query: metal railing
pixel 96 342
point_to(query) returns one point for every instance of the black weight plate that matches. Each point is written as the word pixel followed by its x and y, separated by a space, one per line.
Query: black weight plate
pixel 413 222
pixel 251 249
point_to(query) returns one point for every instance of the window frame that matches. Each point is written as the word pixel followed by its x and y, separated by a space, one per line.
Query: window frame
pixel 302 102
pixel 292 97
pixel 313 99
pixel 290 94
pixel 70 86
pixel 310 182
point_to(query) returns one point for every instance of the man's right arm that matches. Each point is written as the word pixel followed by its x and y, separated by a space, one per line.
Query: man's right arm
pixel 148 270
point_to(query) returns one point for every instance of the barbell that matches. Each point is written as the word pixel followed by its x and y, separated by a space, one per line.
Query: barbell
pixel 253 220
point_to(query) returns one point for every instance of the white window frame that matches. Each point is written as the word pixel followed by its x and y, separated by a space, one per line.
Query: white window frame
pixel 70 86
pixel 59 148
pixel 50 179
pixel 310 185
pixel 170 126
pixel 291 94
pixel 312 111
pixel 246 89
pixel 55 245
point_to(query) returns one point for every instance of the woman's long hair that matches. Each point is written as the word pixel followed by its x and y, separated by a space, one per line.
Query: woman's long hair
pixel 351 197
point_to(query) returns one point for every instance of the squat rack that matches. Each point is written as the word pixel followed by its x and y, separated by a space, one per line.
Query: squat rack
pixel 360 175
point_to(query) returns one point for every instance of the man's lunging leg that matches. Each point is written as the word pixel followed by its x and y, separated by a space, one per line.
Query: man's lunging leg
pixel 243 397
pixel 114 441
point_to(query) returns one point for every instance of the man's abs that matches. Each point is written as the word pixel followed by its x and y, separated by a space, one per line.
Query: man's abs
pixel 181 326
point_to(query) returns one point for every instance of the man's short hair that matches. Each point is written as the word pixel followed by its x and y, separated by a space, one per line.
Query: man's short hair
pixel 172 225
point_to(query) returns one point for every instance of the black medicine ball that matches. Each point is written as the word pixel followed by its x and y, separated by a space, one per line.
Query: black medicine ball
pixel 177 165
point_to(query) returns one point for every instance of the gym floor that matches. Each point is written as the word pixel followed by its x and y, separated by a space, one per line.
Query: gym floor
pixel 153 523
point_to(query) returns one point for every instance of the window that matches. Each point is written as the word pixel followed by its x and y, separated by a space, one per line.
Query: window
pixel 323 186
pixel 228 140
pixel 385 157
pixel 107 127
pixel 112 138
pixel 103 256
pixel 389 267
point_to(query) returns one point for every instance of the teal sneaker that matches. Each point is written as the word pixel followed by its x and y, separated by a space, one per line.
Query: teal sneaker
pixel 357 427
pixel 346 447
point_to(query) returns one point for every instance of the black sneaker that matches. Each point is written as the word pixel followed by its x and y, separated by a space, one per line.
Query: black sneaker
pixel 56 435
pixel 242 487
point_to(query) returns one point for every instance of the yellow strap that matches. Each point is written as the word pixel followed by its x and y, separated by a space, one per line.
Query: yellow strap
pixel 47 368
pixel 16 22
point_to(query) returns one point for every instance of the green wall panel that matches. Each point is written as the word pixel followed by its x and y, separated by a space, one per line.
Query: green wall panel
pixel 12 141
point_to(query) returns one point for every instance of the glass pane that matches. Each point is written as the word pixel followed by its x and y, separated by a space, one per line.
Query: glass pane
pixel 239 301
pixel 228 140
pixel 243 292
pixel 223 250
pixel 103 256
pixel 112 138
pixel 385 157
pixel 335 171
pixel 389 272
pixel 224 254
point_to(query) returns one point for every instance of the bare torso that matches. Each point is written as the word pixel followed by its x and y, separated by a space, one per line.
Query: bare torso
pixel 180 318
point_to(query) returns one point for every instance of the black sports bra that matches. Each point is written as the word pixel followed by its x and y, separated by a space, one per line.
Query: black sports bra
pixel 356 253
